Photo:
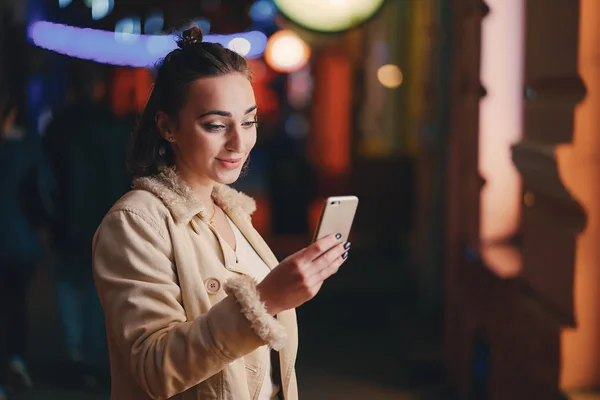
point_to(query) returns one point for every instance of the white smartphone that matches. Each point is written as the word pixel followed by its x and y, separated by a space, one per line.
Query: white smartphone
pixel 337 216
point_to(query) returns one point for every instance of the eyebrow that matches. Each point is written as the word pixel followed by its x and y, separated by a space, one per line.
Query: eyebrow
pixel 225 113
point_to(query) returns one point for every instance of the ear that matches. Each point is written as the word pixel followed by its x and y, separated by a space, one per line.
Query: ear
pixel 165 126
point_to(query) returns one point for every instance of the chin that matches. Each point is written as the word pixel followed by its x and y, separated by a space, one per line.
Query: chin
pixel 227 178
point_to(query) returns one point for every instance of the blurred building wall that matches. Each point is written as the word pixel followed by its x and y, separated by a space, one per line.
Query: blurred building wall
pixel 580 171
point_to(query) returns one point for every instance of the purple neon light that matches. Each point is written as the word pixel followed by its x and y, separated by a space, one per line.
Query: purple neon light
pixel 136 51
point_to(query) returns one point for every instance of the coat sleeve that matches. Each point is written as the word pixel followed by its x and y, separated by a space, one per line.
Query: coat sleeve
pixel 137 285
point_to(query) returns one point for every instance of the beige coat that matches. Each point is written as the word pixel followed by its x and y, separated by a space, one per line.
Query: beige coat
pixel 184 320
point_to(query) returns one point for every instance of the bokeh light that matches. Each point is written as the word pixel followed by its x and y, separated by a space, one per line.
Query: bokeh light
pixel 390 76
pixel 204 25
pixel 136 50
pixel 239 45
pixel 286 52
pixel 154 23
pixel 329 15
pixel 263 11
pixel 101 8
pixel 127 30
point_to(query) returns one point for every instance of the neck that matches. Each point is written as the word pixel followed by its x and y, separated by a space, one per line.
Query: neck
pixel 201 186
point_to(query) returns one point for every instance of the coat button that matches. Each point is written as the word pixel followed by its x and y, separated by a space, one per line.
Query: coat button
pixel 212 285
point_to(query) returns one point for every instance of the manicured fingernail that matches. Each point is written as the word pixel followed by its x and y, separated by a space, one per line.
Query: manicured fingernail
pixel 345 255
pixel 338 235
pixel 347 245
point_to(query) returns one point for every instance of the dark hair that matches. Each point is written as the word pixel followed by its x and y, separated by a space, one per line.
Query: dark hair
pixel 193 59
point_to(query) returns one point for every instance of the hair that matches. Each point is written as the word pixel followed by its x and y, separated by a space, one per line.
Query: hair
pixel 193 59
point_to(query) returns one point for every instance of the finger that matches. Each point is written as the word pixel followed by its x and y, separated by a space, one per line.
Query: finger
pixel 321 246
pixel 331 255
pixel 324 272
pixel 334 267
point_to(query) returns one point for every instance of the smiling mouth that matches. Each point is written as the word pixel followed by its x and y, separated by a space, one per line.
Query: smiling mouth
pixel 230 163
pixel 230 160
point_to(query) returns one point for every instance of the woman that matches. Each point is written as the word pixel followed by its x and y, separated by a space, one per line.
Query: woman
pixel 176 260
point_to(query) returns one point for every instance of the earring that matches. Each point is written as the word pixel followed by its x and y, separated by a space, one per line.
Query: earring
pixel 161 151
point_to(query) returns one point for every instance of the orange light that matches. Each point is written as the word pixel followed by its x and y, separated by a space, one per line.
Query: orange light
pixel 130 90
pixel 329 139
pixel 390 76
pixel 579 165
pixel 286 52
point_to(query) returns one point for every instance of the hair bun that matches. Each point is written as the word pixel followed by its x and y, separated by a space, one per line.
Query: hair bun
pixel 190 36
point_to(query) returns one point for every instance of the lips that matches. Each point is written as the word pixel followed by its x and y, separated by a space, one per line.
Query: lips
pixel 230 163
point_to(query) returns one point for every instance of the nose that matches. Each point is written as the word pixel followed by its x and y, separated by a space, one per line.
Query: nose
pixel 235 142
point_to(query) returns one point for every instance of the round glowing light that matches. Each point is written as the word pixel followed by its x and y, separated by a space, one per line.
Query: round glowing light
pixel 263 11
pixel 286 52
pixel 329 15
pixel 101 8
pixel 154 23
pixel 240 45
pixel 127 30
pixel 203 24
pixel 390 76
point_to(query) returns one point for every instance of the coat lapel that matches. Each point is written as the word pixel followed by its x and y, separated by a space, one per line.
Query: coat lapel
pixel 179 198
pixel 256 241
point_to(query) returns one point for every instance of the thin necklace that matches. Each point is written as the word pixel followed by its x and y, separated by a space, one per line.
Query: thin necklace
pixel 212 218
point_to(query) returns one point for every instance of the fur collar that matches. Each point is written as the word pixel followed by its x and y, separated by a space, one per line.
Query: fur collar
pixel 178 197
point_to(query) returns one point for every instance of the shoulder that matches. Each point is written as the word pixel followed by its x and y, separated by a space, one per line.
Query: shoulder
pixel 141 205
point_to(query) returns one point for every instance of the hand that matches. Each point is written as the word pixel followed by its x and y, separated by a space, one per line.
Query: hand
pixel 299 277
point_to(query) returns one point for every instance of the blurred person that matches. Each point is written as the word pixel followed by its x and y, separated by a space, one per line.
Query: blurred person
pixel 176 260
pixel 86 146
pixel 24 191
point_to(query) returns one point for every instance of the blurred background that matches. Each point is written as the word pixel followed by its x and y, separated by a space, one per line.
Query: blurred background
pixel 469 129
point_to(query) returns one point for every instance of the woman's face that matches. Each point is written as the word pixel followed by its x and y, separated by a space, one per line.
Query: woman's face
pixel 216 129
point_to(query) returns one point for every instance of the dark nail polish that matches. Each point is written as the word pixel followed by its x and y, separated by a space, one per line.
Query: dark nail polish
pixel 338 235
pixel 347 245
pixel 345 255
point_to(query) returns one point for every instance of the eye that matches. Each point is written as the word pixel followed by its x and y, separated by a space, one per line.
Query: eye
pixel 250 124
pixel 214 127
